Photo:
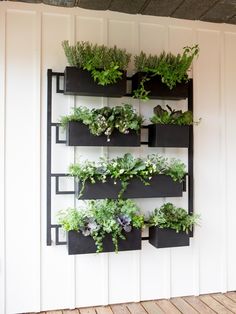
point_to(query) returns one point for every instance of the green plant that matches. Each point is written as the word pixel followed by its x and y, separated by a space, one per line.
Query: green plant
pixel 170 216
pixel 172 116
pixel 105 120
pixel 125 168
pixel 115 217
pixel 105 64
pixel 173 69
pixel 141 92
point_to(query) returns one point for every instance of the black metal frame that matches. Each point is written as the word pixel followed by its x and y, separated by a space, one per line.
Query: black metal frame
pixel 57 176
pixel 51 175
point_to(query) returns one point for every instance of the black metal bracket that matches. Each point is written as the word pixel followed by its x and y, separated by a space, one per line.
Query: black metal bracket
pixel 58 141
pixel 58 76
pixel 57 186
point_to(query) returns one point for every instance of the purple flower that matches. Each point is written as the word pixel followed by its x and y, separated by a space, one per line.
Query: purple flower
pixel 124 221
pixel 90 227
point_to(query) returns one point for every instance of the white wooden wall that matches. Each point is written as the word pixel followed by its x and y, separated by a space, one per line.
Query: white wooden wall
pixel 35 277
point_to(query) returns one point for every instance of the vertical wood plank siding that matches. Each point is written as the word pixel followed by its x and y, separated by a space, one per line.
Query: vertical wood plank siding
pixel 46 278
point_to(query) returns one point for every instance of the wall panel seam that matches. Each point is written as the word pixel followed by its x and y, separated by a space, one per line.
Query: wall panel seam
pixel 73 273
pixel 223 162
pixel 196 245
pixel 38 136
pixel 2 158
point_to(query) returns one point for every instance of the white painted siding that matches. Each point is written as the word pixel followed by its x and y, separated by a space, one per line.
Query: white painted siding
pixel 35 277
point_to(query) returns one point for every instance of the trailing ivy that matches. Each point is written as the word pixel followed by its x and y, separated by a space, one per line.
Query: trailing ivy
pixel 101 217
pixel 104 63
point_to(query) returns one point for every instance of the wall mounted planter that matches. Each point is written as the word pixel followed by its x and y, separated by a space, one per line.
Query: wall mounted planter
pixel 163 238
pixel 159 90
pixel 78 134
pixel 79 244
pixel 168 135
pixel 80 82
pixel 160 186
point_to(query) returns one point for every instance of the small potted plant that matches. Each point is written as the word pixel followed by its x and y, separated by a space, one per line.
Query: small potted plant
pixel 129 177
pixel 117 126
pixel 95 70
pixel 164 76
pixel 103 226
pixel 170 226
pixel 169 128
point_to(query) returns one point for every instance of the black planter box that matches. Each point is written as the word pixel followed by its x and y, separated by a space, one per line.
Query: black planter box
pixel 79 244
pixel 168 135
pixel 159 90
pixel 78 134
pixel 163 238
pixel 160 186
pixel 80 82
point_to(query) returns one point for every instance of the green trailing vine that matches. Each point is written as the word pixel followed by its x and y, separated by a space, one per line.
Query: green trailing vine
pixel 101 217
pixel 105 64
pixel 173 69
pixel 125 168
pixel 141 92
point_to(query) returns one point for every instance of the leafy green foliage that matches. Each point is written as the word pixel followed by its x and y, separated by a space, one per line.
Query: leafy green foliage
pixel 71 219
pixel 169 216
pixel 104 120
pixel 101 217
pixel 141 92
pixel 172 116
pixel 172 69
pixel 127 167
pixel 105 64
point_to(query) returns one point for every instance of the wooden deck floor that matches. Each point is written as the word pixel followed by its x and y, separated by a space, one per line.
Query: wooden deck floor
pixel 205 304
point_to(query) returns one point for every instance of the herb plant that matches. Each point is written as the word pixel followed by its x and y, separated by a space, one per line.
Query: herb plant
pixel 125 168
pixel 170 216
pixel 105 120
pixel 101 217
pixel 172 116
pixel 105 64
pixel 173 69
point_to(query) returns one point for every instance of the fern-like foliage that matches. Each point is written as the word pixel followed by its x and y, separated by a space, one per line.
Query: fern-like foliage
pixel 172 68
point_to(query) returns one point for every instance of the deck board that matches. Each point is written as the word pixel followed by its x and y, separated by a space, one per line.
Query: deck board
pixel 88 310
pixel 168 307
pixel 103 310
pixel 183 306
pixel 136 308
pixel 152 307
pixel 198 305
pixel 204 304
pixel 231 295
pixel 120 309
pixel 225 301
pixel 215 305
